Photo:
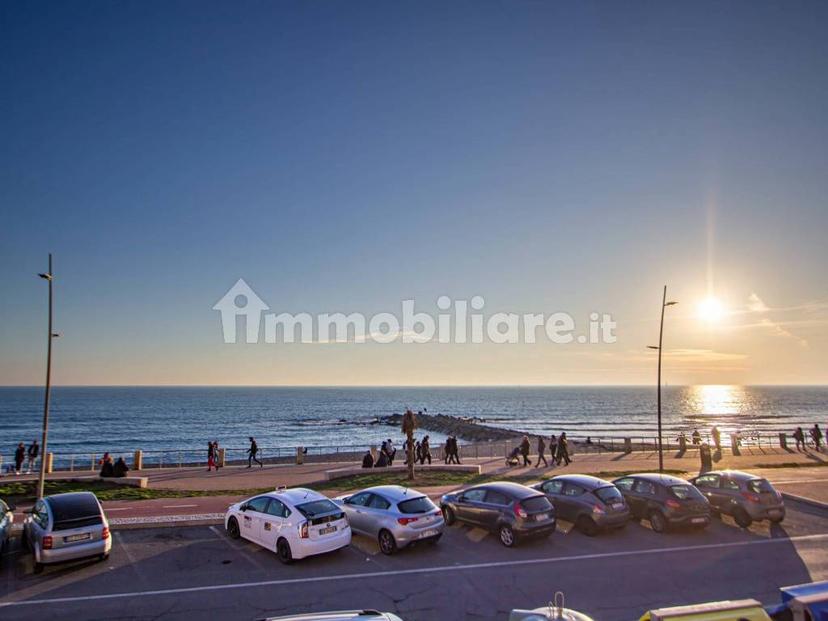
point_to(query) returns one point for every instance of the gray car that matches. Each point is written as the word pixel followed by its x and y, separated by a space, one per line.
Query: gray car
pixel 67 527
pixel 746 497
pixel 6 521
pixel 396 516
pixel 592 504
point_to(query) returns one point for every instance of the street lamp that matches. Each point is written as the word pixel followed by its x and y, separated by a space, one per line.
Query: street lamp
pixel 664 304
pixel 49 277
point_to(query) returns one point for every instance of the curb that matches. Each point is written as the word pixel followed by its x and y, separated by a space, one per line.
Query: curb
pixel 166 521
pixel 806 501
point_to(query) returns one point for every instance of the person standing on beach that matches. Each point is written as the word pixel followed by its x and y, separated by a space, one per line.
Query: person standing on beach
pixel 251 454
pixel 799 436
pixel 563 450
pixel 553 450
pixel 31 454
pixel 816 436
pixel 19 456
pixel 541 449
pixel 524 451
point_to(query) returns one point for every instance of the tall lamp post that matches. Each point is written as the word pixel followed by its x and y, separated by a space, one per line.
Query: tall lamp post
pixel 49 277
pixel 664 304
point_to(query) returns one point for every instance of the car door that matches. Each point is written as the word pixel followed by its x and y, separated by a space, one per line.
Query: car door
pixel 645 495
pixel 728 494
pixel 571 500
pixel 274 521
pixel 710 485
pixel 375 513
pixel 253 518
pixel 626 487
pixel 469 505
pixel 494 505
pixel 554 491
pixel 355 509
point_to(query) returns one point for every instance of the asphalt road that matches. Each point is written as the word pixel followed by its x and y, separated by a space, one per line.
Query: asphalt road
pixel 198 573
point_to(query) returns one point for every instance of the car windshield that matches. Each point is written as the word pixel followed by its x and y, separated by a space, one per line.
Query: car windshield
pixel 757 486
pixel 316 507
pixel 609 494
pixel 417 505
pixel 685 492
pixel 536 503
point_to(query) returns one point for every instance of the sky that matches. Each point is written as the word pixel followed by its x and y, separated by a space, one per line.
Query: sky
pixel 344 157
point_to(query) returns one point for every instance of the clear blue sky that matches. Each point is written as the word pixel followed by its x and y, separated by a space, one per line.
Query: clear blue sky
pixel 344 156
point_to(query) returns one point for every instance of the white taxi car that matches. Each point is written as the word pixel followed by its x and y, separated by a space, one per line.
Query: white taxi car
pixel 294 523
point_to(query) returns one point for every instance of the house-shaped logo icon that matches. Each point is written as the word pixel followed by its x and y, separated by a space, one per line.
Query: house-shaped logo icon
pixel 240 300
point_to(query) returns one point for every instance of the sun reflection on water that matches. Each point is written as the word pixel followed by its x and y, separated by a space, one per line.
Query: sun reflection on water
pixel 717 399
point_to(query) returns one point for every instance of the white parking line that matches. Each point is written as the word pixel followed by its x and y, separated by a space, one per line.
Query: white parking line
pixel 419 570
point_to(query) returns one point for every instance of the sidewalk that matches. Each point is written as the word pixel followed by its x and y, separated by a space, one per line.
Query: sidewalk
pixel 808 479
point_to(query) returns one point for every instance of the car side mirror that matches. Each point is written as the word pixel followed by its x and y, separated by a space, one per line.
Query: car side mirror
pixel 243 508
pixel 347 500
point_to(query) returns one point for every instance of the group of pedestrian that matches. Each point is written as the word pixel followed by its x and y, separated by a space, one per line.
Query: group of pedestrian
pixel 110 469
pixel 22 455
pixel 451 451
pixel 816 438
pixel 558 451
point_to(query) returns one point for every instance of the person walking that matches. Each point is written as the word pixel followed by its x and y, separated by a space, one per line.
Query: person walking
pixel 816 436
pixel 251 454
pixel 389 447
pixel 425 451
pixel 717 437
pixel 541 449
pixel 563 450
pixel 211 457
pixel 553 450
pixel 447 451
pixel 19 456
pixel 696 437
pixel 705 458
pixel 216 455
pixel 31 455
pixel 799 436
pixel 524 451
pixel 455 450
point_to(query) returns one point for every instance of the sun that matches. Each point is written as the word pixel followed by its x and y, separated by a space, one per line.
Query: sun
pixel 711 309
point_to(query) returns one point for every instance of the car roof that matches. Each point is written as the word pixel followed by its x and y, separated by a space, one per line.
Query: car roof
pixel 73 505
pixel 734 474
pixel 655 477
pixel 515 490
pixel 296 495
pixel 395 493
pixel 584 480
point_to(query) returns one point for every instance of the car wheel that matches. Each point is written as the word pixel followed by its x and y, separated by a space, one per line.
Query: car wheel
pixel 283 551
pixel 387 543
pixel 38 568
pixel 777 520
pixel 104 557
pixel 448 516
pixel 233 528
pixel 434 540
pixel 658 522
pixel 507 536
pixel 586 526
pixel 742 518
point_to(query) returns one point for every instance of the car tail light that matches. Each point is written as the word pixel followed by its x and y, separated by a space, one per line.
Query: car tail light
pixel 438 512
pixel 46 542
pixel 673 504
pixel 598 509
pixel 520 511
pixel 303 531
pixel 105 533
pixel 751 497
pixel 406 521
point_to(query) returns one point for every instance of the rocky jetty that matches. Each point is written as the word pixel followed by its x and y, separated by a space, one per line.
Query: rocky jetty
pixel 464 428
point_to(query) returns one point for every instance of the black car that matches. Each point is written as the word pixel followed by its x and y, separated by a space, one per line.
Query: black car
pixel 590 503
pixel 664 500
pixel 511 510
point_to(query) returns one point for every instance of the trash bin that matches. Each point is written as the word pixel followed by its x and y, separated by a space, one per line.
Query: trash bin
pixel 300 455
pixel 783 440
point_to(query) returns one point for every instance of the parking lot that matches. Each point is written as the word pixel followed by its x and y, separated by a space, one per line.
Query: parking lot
pixel 198 572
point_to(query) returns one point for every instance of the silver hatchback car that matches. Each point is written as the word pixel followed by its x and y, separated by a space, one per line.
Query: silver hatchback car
pixel 67 527
pixel 397 516
pixel 746 497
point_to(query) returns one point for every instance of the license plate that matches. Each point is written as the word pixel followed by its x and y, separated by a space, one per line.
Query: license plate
pixel 698 520
pixel 80 537
pixel 432 532
pixel 328 530
pixel 541 517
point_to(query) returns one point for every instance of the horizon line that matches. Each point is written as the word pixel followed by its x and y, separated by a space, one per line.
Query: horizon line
pixel 326 386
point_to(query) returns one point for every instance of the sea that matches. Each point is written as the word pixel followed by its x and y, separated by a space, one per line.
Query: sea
pixel 91 420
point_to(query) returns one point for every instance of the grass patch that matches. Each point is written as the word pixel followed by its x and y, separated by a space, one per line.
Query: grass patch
pixel 794 464
pixel 25 492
